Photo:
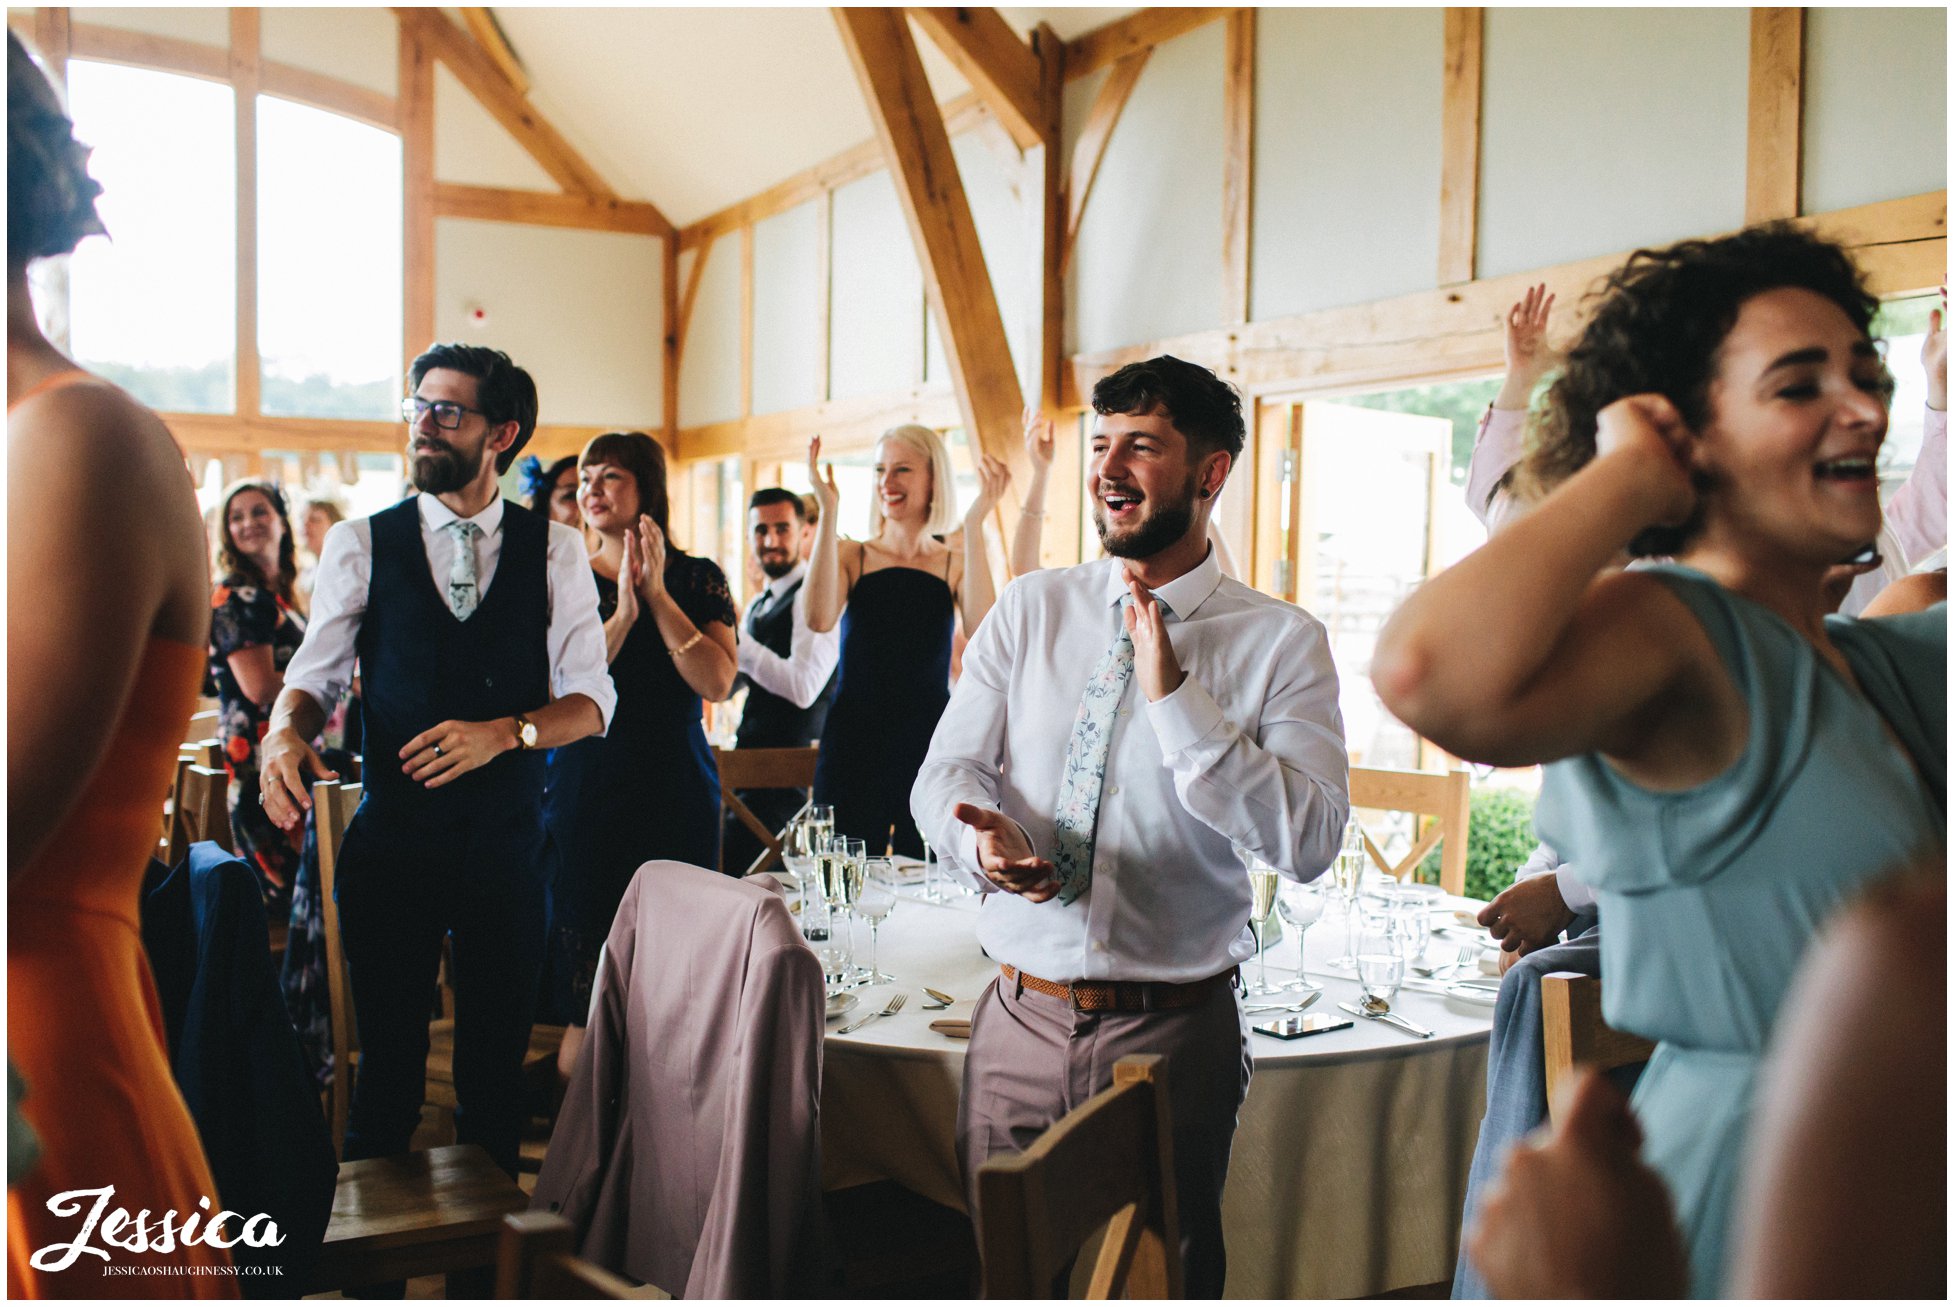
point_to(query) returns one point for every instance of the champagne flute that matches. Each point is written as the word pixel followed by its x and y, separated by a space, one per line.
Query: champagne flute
pixel 1301 906
pixel 1262 882
pixel 797 851
pixel 854 853
pixel 874 901
pixel 821 820
pixel 1348 874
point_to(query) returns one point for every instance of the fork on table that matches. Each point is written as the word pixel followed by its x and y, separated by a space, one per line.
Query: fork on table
pixel 894 1006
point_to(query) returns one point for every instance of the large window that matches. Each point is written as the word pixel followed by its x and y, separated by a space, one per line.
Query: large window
pixel 329 264
pixel 154 307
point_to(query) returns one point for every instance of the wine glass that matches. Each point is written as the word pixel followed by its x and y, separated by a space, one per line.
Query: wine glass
pixel 1262 882
pixel 1380 963
pixel 1348 873
pixel 831 863
pixel 1301 906
pixel 874 901
pixel 821 823
pixel 797 852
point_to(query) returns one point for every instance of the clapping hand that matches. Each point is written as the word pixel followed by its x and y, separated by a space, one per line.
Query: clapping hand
pixel 1933 357
pixel 1005 855
pixel 629 580
pixel 1154 664
pixel 1039 441
pixel 826 492
pixel 651 559
pixel 1528 355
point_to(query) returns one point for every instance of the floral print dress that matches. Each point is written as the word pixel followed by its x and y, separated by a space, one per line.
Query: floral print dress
pixel 244 615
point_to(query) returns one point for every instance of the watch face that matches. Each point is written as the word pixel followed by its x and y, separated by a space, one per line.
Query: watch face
pixel 529 735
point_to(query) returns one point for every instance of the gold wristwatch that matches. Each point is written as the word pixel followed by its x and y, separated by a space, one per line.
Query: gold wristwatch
pixel 525 732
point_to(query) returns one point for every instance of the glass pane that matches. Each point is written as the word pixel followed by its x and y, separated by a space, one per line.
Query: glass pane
pixel 329 264
pixel 154 307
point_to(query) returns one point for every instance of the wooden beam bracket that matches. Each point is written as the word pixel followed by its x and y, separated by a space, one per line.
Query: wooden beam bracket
pixel 1001 68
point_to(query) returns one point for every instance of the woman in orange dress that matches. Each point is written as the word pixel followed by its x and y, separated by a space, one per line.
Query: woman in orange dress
pixel 105 652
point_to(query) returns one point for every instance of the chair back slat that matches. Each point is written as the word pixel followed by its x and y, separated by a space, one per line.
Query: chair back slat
pixel 761 769
pixel 1110 1160
pixel 536 1258
pixel 1444 798
pixel 332 806
pixel 1573 1032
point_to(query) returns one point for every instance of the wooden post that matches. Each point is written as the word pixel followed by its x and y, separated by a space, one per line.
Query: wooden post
pixel 671 341
pixel 1045 166
pixel 910 127
pixel 1238 175
pixel 1458 187
pixel 417 191
pixel 244 99
pixel 1773 155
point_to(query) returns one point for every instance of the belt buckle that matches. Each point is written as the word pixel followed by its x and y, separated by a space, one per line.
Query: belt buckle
pixel 1072 996
pixel 1146 995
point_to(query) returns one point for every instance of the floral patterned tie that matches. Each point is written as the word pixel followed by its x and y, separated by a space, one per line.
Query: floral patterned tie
pixel 462 591
pixel 1085 764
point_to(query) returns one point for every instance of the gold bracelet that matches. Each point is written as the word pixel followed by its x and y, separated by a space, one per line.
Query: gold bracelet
pixel 696 637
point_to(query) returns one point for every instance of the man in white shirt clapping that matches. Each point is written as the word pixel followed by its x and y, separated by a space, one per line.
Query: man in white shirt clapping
pixel 1121 728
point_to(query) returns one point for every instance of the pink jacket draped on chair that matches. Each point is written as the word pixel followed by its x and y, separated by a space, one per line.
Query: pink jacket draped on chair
pixel 687 1153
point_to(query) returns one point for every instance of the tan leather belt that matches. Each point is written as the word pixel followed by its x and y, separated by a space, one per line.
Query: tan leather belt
pixel 1124 995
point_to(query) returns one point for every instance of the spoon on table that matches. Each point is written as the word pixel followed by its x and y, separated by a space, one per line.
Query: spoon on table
pixel 943 1000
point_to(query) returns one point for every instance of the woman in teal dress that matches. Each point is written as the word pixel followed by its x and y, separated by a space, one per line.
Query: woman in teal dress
pixel 1728 764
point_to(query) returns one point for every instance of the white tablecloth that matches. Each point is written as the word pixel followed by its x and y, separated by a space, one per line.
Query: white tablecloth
pixel 1350 1159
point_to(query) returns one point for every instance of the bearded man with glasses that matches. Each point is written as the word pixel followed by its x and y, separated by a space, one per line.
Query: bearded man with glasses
pixel 475 625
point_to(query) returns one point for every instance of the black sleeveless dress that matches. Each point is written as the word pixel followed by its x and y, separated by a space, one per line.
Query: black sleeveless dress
pixel 892 686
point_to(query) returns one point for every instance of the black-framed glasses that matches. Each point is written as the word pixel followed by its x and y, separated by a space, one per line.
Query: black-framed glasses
pixel 447 413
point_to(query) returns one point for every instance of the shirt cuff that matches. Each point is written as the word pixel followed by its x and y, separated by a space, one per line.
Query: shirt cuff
pixel 1576 895
pixel 1185 717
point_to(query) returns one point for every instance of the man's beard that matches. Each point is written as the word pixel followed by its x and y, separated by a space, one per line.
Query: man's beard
pixel 444 471
pixel 776 570
pixel 1165 525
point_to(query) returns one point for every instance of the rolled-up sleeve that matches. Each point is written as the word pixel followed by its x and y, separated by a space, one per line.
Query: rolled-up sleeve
pixel 1917 513
pixel 576 632
pixel 1282 790
pixel 966 753
pixel 1496 450
pixel 800 677
pixel 323 665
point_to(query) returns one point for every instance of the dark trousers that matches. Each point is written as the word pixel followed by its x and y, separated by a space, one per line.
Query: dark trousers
pixel 403 885
pixel 1032 1059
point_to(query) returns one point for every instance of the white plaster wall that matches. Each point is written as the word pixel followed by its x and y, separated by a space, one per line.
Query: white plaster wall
pixel 876 341
pixel 992 172
pixel 1148 259
pixel 1875 105
pixel 361 46
pixel 583 311
pixel 709 364
pixel 1605 129
pixel 787 309
pixel 206 26
pixel 470 146
pixel 1348 104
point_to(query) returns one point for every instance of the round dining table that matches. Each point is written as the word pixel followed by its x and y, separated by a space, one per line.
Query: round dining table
pixel 1348 1173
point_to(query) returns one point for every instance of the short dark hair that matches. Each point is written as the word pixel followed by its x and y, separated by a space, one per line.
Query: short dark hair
pixel 539 499
pixel 777 495
pixel 1659 327
pixel 1202 407
pixel 644 458
pixel 503 391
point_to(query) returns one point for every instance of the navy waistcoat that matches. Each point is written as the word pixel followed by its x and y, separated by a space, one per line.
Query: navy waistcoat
pixel 769 721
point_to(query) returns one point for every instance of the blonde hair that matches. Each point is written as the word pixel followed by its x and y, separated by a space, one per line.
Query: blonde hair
pixel 942 519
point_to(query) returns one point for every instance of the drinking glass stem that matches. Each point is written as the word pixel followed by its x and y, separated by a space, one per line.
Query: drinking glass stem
pixel 1262 949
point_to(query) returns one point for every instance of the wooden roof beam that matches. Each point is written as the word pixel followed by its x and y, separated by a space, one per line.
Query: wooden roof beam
pixel 1133 34
pixel 917 145
pixel 489 35
pixel 1001 68
pixel 1089 150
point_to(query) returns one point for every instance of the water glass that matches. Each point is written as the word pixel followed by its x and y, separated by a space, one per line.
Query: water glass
pixel 1301 907
pixel 1380 964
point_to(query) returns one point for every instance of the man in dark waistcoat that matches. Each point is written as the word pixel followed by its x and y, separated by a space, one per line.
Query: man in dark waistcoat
pixel 475 625
pixel 789 670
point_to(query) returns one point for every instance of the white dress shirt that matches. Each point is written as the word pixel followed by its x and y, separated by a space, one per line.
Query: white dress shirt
pixel 323 665
pixel 811 658
pixel 1248 751
pixel 1542 861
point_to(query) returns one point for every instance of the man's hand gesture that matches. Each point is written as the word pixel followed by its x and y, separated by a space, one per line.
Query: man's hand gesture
pixel 1005 855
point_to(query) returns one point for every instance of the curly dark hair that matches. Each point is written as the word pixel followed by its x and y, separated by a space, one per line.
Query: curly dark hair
pixel 644 458
pixel 50 196
pixel 1659 328
pixel 235 563
pixel 1202 407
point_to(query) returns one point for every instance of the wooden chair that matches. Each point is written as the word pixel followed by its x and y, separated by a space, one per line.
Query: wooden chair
pixel 536 1258
pixel 1111 1160
pixel 430 1213
pixel 198 810
pixel 1574 1033
pixel 333 804
pixel 761 769
pixel 1446 797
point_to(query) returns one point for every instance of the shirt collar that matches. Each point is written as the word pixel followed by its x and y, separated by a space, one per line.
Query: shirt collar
pixel 435 515
pixel 779 587
pixel 1180 596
